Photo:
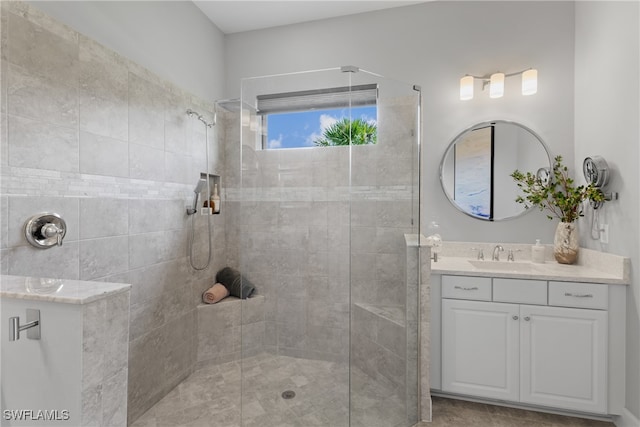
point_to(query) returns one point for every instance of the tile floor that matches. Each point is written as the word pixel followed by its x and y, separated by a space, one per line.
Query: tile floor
pixel 459 413
pixel 211 397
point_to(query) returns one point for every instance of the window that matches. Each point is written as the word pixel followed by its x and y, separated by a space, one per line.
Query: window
pixel 336 116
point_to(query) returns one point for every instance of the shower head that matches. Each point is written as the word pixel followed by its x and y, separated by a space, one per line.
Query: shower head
pixel 200 117
pixel 200 185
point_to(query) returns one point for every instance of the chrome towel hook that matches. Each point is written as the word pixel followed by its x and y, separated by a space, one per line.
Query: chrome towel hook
pixel 32 326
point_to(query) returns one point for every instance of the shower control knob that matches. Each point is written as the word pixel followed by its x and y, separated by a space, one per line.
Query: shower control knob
pixel 45 230
pixel 51 230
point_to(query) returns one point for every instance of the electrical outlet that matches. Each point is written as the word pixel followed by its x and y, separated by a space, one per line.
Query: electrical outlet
pixel 604 233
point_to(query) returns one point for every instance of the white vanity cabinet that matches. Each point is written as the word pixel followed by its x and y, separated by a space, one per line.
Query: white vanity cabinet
pixel 534 342
pixel 480 349
pixel 563 358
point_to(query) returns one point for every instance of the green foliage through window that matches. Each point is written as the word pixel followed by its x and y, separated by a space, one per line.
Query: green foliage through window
pixel 346 131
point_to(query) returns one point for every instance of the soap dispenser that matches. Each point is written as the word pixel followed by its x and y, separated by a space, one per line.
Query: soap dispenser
pixel 537 253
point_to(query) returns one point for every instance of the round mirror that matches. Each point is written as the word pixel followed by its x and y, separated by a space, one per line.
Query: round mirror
pixel 475 170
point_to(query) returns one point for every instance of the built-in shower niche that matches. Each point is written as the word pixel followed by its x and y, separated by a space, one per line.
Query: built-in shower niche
pixel 214 182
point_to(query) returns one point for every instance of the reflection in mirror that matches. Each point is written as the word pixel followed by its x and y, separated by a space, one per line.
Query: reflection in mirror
pixel 475 170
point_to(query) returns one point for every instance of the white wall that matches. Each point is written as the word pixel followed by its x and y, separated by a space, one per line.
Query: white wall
pixel 173 39
pixel 433 45
pixel 607 123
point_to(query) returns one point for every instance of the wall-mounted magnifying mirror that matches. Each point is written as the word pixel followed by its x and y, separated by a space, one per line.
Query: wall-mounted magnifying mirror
pixel 476 167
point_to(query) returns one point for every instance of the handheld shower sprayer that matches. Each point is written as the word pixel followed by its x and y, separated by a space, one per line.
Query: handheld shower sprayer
pixel 202 183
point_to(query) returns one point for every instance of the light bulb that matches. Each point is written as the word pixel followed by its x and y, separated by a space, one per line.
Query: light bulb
pixel 466 88
pixel 530 82
pixel 496 85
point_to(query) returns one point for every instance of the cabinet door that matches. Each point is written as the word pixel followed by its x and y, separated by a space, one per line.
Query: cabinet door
pixel 563 358
pixel 480 348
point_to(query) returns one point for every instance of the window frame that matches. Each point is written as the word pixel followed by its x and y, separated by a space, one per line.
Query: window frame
pixel 313 100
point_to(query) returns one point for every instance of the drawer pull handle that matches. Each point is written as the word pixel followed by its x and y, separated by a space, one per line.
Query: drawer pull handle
pixel 475 288
pixel 527 318
pixel 515 317
pixel 569 294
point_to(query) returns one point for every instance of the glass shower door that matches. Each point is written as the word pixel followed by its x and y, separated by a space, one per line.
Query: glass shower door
pixel 294 246
pixel 384 282
pixel 329 339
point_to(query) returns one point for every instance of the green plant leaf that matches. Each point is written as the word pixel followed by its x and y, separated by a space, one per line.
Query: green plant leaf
pixel 348 132
pixel 560 196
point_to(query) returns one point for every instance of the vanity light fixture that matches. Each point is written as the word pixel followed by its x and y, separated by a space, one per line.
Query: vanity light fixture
pixel 466 88
pixel 496 85
pixel 530 82
pixel 495 82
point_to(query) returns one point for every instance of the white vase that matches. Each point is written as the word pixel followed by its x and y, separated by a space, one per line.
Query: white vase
pixel 565 248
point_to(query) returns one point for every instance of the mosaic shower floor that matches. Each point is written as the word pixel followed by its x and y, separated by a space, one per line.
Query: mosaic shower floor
pixel 210 397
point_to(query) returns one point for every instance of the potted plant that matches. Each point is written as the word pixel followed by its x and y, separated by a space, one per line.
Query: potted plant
pixel 562 199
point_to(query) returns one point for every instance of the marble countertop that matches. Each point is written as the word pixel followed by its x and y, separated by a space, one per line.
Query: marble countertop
pixel 592 266
pixel 57 290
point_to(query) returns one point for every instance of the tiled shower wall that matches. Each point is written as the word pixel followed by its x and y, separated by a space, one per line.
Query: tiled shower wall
pixel 106 144
pixel 316 232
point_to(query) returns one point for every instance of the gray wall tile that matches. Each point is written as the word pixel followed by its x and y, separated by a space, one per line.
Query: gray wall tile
pixel 93 343
pixel 175 136
pixel 146 162
pixel 60 262
pixel 4 221
pixel 43 52
pixel 103 218
pixel 117 323
pixel 145 127
pixel 40 98
pixel 4 261
pixel 103 116
pixel 114 400
pixel 102 72
pixel 146 249
pixel 103 257
pixel 92 406
pixel 4 136
pixel 176 168
pixel 101 155
pixel 39 145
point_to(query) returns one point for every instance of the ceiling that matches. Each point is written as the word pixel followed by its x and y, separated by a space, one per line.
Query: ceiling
pixel 244 15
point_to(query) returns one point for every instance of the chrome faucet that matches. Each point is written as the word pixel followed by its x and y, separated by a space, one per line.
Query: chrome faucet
pixel 496 253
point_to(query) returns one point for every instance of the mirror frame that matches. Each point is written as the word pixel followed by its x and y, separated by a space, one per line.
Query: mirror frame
pixel 478 126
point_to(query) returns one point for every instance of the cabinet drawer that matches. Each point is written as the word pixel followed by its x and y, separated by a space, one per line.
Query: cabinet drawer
pixel 520 291
pixel 465 287
pixel 581 295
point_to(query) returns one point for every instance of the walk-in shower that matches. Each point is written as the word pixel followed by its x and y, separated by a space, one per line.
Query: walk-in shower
pixel 321 234
pixel 330 336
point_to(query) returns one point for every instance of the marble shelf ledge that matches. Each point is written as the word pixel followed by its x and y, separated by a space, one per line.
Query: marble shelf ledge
pixel 58 290
pixel 592 266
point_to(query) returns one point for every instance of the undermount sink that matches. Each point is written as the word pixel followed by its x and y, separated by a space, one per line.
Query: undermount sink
pixel 512 266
